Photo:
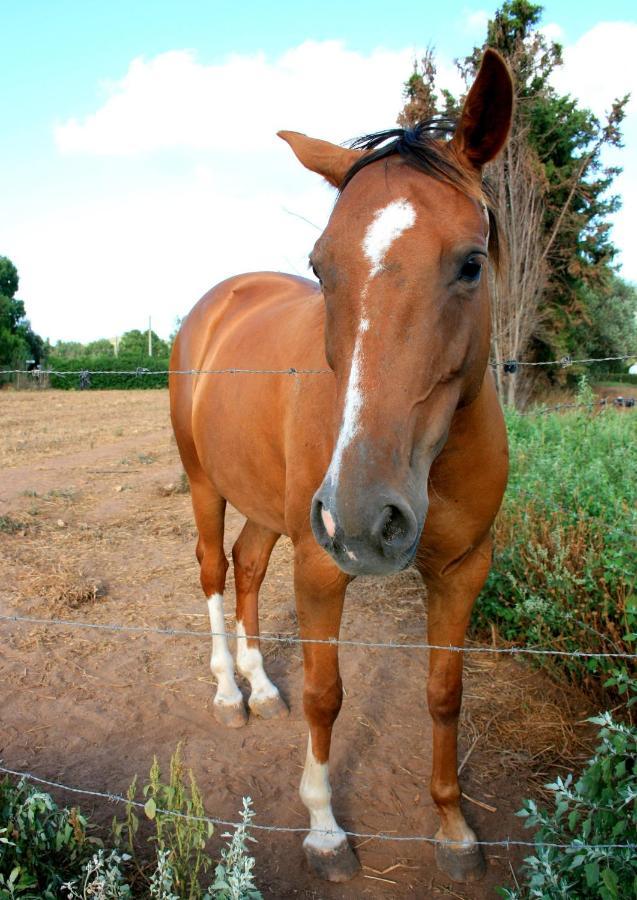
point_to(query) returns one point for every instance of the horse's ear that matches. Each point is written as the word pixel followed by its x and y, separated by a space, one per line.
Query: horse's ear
pixel 329 160
pixel 486 115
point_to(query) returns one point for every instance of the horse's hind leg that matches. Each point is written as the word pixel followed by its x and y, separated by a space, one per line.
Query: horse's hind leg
pixel 251 555
pixel 209 509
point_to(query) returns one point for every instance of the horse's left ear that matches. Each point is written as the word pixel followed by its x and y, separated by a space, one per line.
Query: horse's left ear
pixel 329 160
pixel 486 115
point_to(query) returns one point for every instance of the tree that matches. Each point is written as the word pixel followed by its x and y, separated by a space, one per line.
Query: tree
pixel 100 347
pixel 18 341
pixel 135 343
pixel 551 195
pixel 550 181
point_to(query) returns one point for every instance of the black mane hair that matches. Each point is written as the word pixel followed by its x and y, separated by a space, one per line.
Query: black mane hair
pixel 426 147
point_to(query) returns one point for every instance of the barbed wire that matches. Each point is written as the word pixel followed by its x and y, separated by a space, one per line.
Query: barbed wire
pixel 140 372
pixel 510 367
pixel 603 403
pixel 380 836
pixel 290 639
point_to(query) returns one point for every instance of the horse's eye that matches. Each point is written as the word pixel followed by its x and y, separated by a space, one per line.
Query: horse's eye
pixel 471 271
pixel 315 273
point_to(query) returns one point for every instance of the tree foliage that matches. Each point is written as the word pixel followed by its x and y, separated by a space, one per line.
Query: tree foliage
pixel 18 341
pixel 554 202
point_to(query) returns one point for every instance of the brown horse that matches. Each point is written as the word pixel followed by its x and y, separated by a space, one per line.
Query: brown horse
pixel 396 456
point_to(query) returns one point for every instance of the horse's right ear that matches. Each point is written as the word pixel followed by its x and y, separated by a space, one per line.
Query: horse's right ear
pixel 486 115
pixel 329 160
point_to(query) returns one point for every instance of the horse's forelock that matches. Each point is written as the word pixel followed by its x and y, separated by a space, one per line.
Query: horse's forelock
pixel 426 147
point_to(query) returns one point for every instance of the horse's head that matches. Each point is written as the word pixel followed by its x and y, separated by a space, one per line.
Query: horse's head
pixel 402 267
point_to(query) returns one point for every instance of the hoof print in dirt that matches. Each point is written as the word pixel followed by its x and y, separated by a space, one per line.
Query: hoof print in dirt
pixel 339 864
pixel 461 864
pixel 232 716
pixel 272 708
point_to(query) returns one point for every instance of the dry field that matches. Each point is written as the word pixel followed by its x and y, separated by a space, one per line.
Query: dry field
pixel 93 527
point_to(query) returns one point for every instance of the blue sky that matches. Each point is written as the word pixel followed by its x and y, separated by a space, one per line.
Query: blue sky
pixel 138 158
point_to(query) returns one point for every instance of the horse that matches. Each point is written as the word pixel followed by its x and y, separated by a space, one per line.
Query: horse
pixel 387 448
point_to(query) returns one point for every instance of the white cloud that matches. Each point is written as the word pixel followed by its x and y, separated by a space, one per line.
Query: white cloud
pixel 173 101
pixel 221 181
pixel 477 21
pixel 599 67
pixel 552 31
pixel 217 181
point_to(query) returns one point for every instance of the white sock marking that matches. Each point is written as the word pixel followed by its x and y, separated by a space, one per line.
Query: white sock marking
pixel 221 662
pixel 250 664
pixel 316 794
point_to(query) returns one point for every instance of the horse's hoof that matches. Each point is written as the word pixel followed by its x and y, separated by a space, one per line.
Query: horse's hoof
pixel 232 715
pixel 461 863
pixel 339 864
pixel 270 707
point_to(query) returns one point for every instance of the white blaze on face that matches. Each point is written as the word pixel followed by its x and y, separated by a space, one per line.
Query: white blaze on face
pixel 250 664
pixel 386 227
pixel 221 662
pixel 316 794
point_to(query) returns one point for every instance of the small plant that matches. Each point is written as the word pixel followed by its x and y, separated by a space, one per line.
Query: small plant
pixel 9 525
pixel 234 879
pixel 596 810
pixel 45 853
pixel 146 458
pixel 41 845
pixel 177 812
pixel 101 879
pixel 162 881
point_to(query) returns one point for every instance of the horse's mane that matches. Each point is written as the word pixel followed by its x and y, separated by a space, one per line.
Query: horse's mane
pixel 426 147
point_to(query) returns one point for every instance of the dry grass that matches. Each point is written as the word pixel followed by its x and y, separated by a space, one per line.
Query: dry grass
pixel 523 721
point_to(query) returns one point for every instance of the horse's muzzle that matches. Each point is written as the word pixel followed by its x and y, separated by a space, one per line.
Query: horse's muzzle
pixel 383 539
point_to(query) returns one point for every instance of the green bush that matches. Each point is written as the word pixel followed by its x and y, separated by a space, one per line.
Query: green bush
pixel 45 853
pixel 596 810
pixel 97 364
pixel 566 553
pixel 41 845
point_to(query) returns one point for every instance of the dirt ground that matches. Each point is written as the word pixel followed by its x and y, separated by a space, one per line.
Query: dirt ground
pixel 93 527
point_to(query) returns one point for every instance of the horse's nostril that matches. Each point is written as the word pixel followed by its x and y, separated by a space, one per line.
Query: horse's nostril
pixel 396 525
pixel 395 530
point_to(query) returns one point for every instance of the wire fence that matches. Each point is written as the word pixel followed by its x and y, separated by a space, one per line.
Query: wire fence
pixel 510 366
pixel 292 639
pixel 286 829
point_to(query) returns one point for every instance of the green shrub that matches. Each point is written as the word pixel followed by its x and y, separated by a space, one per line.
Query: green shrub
pixel 598 809
pixel 566 553
pixel 41 845
pixel 45 853
pixel 97 364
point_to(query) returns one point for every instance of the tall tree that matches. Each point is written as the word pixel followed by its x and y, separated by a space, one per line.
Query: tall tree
pixel 18 341
pixel 553 202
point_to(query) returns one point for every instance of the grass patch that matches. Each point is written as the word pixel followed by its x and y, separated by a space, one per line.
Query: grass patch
pixel 9 525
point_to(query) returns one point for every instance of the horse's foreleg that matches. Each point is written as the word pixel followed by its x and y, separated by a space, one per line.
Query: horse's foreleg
pixel 251 554
pixel 320 591
pixel 451 599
